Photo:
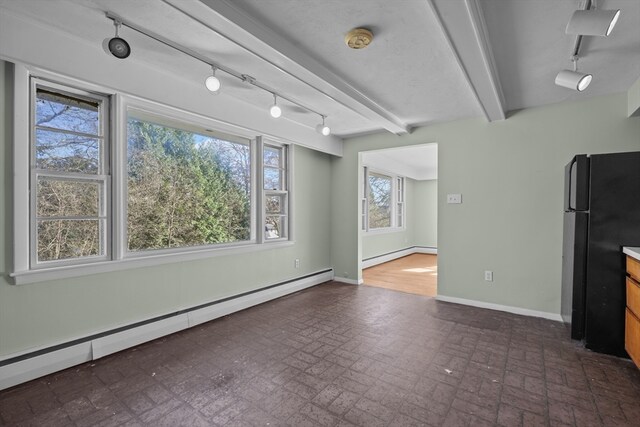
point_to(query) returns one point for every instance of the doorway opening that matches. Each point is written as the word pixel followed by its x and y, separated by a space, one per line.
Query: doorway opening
pixel 398 218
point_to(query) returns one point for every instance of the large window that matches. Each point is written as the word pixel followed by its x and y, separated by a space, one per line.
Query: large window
pixel 383 201
pixel 115 181
pixel 69 176
pixel 185 188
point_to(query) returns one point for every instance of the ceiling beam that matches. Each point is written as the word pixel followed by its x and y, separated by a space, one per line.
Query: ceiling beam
pixel 464 28
pixel 259 40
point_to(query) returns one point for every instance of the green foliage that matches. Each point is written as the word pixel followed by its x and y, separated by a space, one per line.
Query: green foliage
pixel 180 192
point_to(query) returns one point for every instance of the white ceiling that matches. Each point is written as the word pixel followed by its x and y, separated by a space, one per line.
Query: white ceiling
pixel 419 162
pixel 430 61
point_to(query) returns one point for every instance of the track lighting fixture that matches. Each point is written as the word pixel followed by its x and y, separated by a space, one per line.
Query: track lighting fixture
pixel 118 46
pixel 120 49
pixel 275 111
pixel 212 82
pixel 573 79
pixel 593 22
pixel 323 129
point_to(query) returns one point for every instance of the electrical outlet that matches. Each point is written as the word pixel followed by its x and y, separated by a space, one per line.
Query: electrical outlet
pixel 297 263
pixel 488 276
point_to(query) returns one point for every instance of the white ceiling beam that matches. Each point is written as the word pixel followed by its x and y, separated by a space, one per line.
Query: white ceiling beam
pixel 269 46
pixel 463 25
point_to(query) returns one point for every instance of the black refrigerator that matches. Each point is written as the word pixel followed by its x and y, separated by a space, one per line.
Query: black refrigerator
pixel 601 215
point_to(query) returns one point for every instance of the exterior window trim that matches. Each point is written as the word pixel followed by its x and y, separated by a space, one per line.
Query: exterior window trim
pixel 119 258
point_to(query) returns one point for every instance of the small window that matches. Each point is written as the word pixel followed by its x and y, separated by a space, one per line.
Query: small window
pixel 185 188
pixel 380 203
pixel 399 201
pixel 69 176
pixel 383 202
pixel 275 192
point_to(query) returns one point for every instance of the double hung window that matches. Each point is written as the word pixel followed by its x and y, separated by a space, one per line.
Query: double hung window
pixel 383 201
pixel 276 194
pixel 70 179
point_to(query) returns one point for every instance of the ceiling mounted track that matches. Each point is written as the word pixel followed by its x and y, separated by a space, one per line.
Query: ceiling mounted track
pixel 212 83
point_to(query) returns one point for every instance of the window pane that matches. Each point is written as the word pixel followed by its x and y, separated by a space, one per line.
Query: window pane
pixel 275 204
pixel 63 239
pixel 185 189
pixel 272 156
pixel 68 198
pixel 274 227
pixel 67 152
pixel 379 201
pixel 66 112
pixel 272 179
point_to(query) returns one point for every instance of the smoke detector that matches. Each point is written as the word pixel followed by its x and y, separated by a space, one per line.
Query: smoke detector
pixel 358 38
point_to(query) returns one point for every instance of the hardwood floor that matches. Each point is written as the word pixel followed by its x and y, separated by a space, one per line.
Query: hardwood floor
pixel 414 274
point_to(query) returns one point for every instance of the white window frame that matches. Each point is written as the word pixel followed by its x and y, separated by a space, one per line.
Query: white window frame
pixel 120 259
pixel 284 169
pixel 171 117
pixel 102 177
pixel 398 198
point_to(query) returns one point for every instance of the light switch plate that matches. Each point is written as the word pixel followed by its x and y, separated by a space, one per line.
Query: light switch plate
pixel 454 198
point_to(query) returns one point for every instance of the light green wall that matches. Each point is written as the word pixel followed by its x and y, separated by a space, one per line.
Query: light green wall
pixel 380 243
pixel 425 208
pixel 510 174
pixel 421 219
pixel 47 313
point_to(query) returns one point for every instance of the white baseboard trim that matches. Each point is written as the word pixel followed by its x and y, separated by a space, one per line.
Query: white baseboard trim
pixel 348 281
pixel 119 341
pixel 30 368
pixel 426 250
pixel 206 314
pixel 370 262
pixel 45 364
pixel 499 307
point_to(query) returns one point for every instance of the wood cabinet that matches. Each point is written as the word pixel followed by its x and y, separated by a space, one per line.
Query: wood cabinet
pixel 632 315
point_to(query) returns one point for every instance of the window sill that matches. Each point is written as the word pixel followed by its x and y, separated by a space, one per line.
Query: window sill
pixel 384 231
pixel 64 272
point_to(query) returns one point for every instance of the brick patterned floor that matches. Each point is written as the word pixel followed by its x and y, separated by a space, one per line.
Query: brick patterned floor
pixel 342 355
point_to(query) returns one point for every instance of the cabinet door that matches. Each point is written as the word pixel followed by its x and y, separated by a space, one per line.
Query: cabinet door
pixel 633 268
pixel 632 337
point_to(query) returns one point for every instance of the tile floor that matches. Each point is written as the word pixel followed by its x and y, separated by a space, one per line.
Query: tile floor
pixel 342 355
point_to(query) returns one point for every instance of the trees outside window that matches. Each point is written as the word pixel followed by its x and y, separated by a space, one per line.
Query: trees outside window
pixel 383 201
pixel 164 183
pixel 380 203
pixel 69 175
pixel 185 189
pixel 276 195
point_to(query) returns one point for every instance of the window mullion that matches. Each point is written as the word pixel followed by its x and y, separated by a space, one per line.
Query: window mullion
pixel 119 179
pixel 260 208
